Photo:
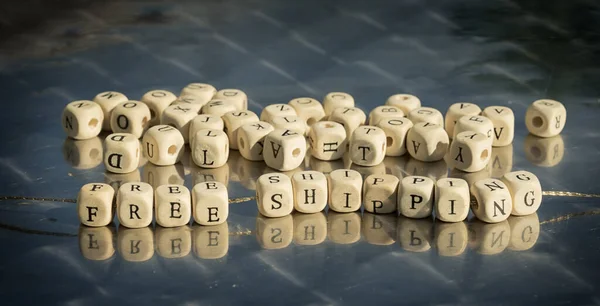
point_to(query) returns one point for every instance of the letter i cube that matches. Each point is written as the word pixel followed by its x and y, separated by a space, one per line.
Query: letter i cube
pixel 210 203
pixel 134 204
pixel 452 199
pixel 345 190
pixel 172 205
pixel 95 204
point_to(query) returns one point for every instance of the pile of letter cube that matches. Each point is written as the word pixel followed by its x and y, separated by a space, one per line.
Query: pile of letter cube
pixel 213 122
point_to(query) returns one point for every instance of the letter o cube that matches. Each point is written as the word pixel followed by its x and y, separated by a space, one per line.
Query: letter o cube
pixel 130 117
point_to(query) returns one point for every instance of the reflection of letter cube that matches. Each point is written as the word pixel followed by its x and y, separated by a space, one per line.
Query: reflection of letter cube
pixel 95 204
pixel 415 199
pixel 310 191
pixel 309 229
pixel 97 243
pixel 82 119
pixel 379 229
pixel 211 242
pixel 135 244
pixel 367 146
pixel 327 140
pixel 395 130
pixel 134 204
pixel 546 118
pixel 345 190
pixel 210 202
pixel 210 148
pixel 415 235
pixel 274 195
pixel 173 242
pixel 451 238
pixel 524 232
pixel 452 199
pixel 122 153
pixel 380 193
pixel 343 228
pixel 493 200
pixel 284 150
pixel 525 190
pixel 274 233
pixel 163 145
pixel 172 205
pixel 489 239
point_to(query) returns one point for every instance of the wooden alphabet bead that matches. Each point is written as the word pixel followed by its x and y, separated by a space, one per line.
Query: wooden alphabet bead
pixel 309 229
pixel 134 204
pixel 415 235
pixel 82 119
pixel 379 229
pixel 107 101
pixel 479 124
pixel 493 200
pixel 456 111
pixel 210 202
pixel 83 154
pixel 343 228
pixel 427 142
pixel 395 130
pixel 163 145
pixel 524 232
pixel 308 109
pixel 237 97
pixel 335 100
pixel 545 118
pixel 274 195
pixel 284 149
pixel 203 122
pixel 210 148
pixel 426 114
pixel 416 197
pixel 251 139
pixel 503 120
pixel 382 112
pixel 233 121
pixel 218 107
pixel 405 102
pixel 135 244
pixel 131 117
pixel 367 146
pixel 273 111
pixel 122 153
pixel 180 116
pixel 310 191
pixel 274 233
pixel 526 192
pixel 452 199
pixel 451 239
pixel 380 193
pixel 97 243
pixel 210 242
pixel 349 117
pixel 544 152
pixel 173 242
pixel 345 190
pixel 157 101
pixel 327 140
pixel 204 92
pixel 95 204
pixel 470 151
pixel 172 206
pixel 292 123
pixel 489 239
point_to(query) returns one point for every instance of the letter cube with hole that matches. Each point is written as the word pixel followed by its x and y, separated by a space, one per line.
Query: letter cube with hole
pixel 210 148
pixel 335 100
pixel 82 119
pixel 163 145
pixel 233 121
pixel 210 202
pixel 545 118
pixel 122 153
pixel 218 107
pixel 345 190
pixel 380 193
pixel 310 191
pixel 308 109
pixel 426 114
pixel 180 116
pixel 503 120
pixel 452 199
pixel 203 122
pixel 395 130
pixel 273 111
pixel 131 117
pixel 493 200
pixel 274 233
pixel 427 142
pixel 292 123
pixel 405 102
pixel 456 111
pixel 367 146
pixel 134 204
pixel 95 204
pixel 172 205
pixel 107 101
pixel 327 140
pixel 284 149
pixel 251 139
pixel 525 190
pixel 479 124
pixel 204 92
pixel 274 195
pixel 157 101
pixel 470 151
pixel 349 117
pixel 237 98
pixel 416 196
pixel 381 112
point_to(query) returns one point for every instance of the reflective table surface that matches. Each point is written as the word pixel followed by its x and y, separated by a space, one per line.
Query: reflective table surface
pixel 486 52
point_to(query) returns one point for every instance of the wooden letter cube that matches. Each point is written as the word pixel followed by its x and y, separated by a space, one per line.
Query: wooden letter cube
pixel 545 118
pixel 367 146
pixel 204 92
pixel 131 117
pixel 107 101
pixel 233 121
pixel 479 124
pixel 452 199
pixel 274 195
pixel 381 112
pixel 95 204
pixel 308 109
pixel 335 100
pixel 380 193
pixel 157 101
pixel 470 151
pixel 426 114
pixel 427 142
pixel 172 206
pixel 210 202
pixel 416 196
pixel 237 97
pixel 503 120
pixel 82 119
pixel 345 190
pixel 395 130
pixel 349 117
pixel 525 190
pixel 456 111
pixel 180 116
pixel 210 148
pixel 273 111
pixel 218 107
pixel 122 153
pixel 284 149
pixel 203 122
pixel 134 204
pixel 327 140
pixel 251 139
pixel 310 191
pixel 493 200
pixel 163 145
pixel 292 123
pixel 405 102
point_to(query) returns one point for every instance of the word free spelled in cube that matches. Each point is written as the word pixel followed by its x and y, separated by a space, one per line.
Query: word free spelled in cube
pixel 134 204
pixel 95 204
pixel 130 117
pixel 172 206
pixel 210 202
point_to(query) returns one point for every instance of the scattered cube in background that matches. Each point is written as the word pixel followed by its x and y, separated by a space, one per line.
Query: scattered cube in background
pixel 203 122
pixel 107 101
pixel 456 111
pixel 122 153
pixel 251 139
pixel 545 118
pixel 233 121
pixel 95 204
pixel 503 120
pixel 479 124
pixel 157 101
pixel 526 192
pixel 163 145
pixel 335 100
pixel 218 107
pixel 452 199
pixel 134 204
pixel 327 140
pixel 426 114
pixel 204 92
pixel 470 151
pixel 380 193
pixel 345 190
pixel 273 111
pixel 210 201
pixel 292 123
pixel 308 109
pixel 381 112
pixel 284 150
pixel 190 100
pixel 349 117
pixel 210 148
pixel 367 146
pixel 82 119
pixel 172 206
pixel 180 116
pixel 237 97
pixel 310 191
pixel 405 102
pixel 427 142
pixel 416 196
pixel 493 200
pixel 130 117
pixel 274 195
pixel 395 130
